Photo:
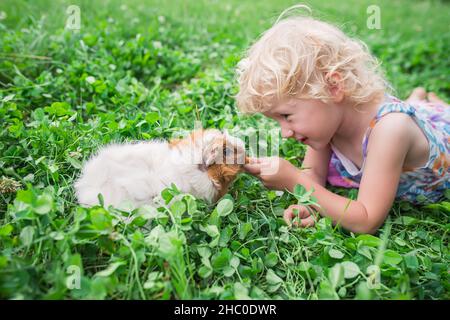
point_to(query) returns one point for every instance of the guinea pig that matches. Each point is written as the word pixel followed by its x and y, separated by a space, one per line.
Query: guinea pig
pixel 202 164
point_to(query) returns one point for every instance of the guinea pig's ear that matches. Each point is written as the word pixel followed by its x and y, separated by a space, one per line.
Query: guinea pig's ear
pixel 213 152
pixel 210 155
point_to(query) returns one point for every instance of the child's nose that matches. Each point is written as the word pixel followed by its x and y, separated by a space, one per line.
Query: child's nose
pixel 286 133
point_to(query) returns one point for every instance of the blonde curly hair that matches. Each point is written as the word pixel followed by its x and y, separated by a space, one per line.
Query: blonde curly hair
pixel 297 56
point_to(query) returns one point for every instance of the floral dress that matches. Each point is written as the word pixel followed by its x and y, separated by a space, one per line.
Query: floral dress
pixel 421 184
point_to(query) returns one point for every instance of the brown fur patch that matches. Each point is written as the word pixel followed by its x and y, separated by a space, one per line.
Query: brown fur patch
pixel 223 175
pixel 197 134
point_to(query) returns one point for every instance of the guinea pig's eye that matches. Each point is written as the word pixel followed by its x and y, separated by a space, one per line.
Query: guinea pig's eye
pixel 227 152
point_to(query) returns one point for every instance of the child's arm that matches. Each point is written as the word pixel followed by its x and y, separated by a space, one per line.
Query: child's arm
pixel 315 164
pixel 388 145
pixel 278 173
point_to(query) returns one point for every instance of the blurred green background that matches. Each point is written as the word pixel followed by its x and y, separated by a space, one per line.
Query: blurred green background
pixel 412 43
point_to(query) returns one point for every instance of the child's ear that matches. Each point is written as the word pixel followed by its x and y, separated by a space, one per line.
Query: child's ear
pixel 335 86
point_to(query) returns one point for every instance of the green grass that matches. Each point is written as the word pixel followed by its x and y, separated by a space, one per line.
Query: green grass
pixel 151 75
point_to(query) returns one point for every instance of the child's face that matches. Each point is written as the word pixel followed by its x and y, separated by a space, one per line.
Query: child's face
pixel 309 121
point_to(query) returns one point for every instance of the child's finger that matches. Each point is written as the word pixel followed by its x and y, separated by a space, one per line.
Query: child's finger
pixel 254 169
pixel 300 211
pixel 287 217
pixel 306 222
pixel 291 212
pixel 253 160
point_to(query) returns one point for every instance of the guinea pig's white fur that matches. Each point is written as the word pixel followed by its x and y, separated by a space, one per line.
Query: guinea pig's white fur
pixel 137 172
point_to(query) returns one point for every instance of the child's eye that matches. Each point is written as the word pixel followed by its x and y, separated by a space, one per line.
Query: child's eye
pixel 285 116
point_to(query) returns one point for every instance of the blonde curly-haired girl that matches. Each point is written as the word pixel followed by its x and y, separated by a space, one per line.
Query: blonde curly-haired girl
pixel 326 90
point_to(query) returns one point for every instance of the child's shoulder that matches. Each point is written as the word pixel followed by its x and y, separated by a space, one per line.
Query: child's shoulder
pixel 399 130
pixel 392 104
pixel 394 126
pixel 394 118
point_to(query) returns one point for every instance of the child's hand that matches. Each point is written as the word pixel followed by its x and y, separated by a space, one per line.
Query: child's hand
pixel 274 172
pixel 302 212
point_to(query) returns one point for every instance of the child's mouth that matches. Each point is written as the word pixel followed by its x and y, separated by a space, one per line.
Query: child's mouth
pixel 302 140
